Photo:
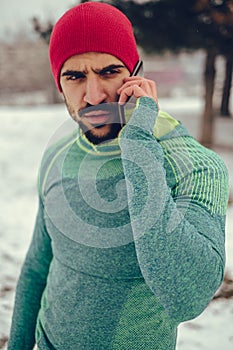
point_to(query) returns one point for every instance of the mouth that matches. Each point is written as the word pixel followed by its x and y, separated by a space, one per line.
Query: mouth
pixel 99 123
pixel 97 118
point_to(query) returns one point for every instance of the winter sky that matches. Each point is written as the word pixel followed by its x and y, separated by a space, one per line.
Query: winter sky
pixel 17 14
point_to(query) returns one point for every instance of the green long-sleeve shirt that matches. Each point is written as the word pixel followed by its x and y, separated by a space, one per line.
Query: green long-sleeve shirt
pixel 128 242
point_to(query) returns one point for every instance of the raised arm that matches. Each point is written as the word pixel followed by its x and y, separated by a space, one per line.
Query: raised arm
pixel 177 198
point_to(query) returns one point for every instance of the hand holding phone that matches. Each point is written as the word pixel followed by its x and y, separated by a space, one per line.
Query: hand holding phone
pixel 136 87
pixel 135 72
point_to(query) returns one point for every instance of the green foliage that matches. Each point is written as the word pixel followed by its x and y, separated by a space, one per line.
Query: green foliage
pixel 159 25
pixel 174 25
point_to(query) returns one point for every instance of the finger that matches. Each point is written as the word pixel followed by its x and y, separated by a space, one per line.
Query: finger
pixel 148 85
pixel 133 90
pixel 139 91
pixel 128 84
pixel 134 78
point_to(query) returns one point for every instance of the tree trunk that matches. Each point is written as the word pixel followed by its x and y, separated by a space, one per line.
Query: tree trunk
pixel 225 111
pixel 207 127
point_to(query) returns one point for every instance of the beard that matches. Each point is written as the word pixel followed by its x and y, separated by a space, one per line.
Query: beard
pixel 102 135
pixel 99 133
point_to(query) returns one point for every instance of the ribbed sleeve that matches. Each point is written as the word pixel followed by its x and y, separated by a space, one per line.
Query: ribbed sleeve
pixel 178 229
pixel 30 287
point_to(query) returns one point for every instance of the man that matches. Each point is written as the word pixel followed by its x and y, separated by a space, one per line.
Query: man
pixel 129 237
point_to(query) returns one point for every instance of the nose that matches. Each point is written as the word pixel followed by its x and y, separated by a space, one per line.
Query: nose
pixel 94 92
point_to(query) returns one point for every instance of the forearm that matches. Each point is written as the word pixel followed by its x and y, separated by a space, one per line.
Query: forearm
pixel 27 303
pixel 178 260
pixel 179 263
pixel 30 287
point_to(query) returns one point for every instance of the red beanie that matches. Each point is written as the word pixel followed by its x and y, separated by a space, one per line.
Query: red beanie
pixel 92 27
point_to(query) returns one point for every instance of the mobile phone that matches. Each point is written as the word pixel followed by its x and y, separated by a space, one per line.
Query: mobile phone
pixel 137 68
pixel 134 73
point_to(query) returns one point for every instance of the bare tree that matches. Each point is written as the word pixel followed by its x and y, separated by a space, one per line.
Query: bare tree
pixel 44 32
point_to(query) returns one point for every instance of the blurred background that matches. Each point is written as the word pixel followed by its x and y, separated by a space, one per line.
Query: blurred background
pixel 187 48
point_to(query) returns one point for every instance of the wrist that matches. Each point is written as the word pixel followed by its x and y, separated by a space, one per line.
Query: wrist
pixel 147 102
pixel 143 117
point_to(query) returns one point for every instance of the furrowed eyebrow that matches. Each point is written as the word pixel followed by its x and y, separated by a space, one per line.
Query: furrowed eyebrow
pixel 110 67
pixel 79 74
pixel 75 73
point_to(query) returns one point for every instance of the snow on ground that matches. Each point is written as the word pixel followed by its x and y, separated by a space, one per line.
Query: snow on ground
pixel 24 135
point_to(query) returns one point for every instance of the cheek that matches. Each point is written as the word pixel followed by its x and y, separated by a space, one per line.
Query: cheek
pixel 73 97
pixel 113 87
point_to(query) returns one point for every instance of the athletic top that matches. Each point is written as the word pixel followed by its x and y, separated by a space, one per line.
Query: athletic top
pixel 128 241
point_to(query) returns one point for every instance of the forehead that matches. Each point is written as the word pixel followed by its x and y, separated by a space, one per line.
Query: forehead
pixel 92 60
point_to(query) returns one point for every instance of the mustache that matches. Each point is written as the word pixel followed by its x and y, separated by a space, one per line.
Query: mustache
pixel 105 107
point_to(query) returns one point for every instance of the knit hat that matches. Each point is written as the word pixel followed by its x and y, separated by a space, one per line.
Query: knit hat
pixel 92 27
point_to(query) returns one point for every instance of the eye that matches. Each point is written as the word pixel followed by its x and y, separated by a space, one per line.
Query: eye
pixel 109 73
pixel 73 76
